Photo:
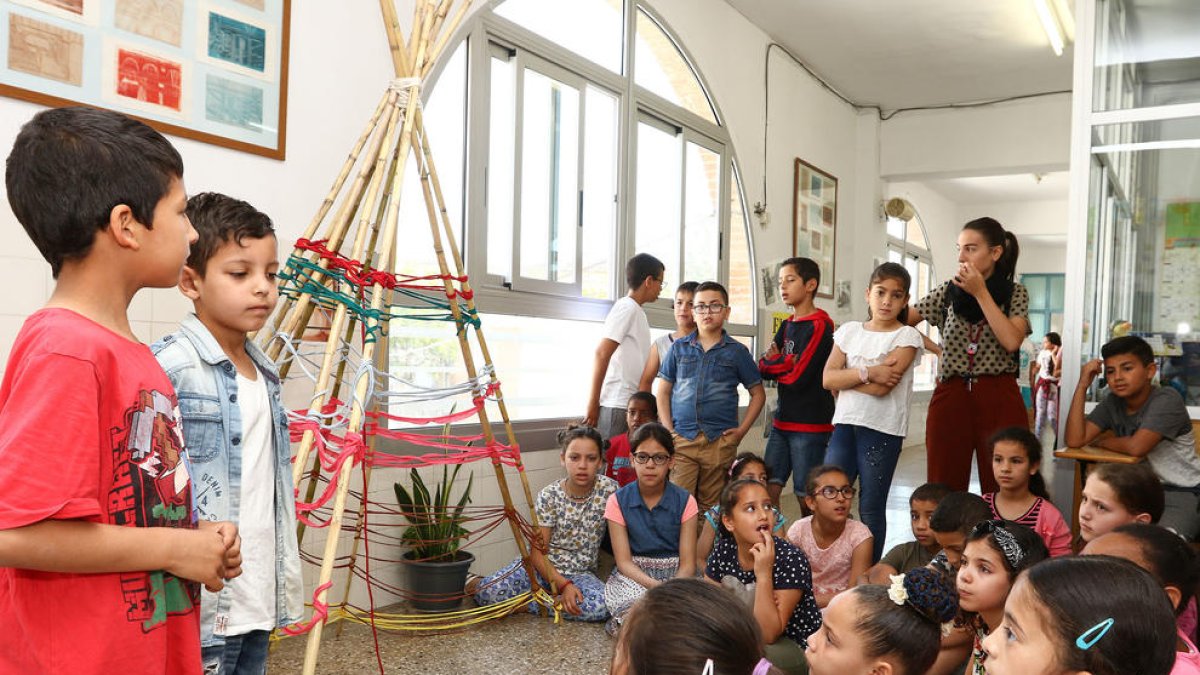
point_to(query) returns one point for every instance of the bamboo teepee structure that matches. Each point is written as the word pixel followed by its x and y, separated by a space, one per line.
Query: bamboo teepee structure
pixel 341 267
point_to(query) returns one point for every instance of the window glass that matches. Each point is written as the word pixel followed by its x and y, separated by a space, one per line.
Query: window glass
pixel 591 28
pixel 599 192
pixel 501 166
pixel 1146 54
pixel 661 68
pixel 741 274
pixel 549 179
pixel 702 218
pixel 658 197
pixel 896 227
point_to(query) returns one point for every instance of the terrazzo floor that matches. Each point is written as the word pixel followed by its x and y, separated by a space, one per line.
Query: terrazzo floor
pixel 524 643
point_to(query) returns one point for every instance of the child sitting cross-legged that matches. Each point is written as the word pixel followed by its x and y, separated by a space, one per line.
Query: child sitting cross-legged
pixel 776 573
pixel 1022 497
pixel 745 465
pixel 918 553
pixel 571 514
pixel 651 523
pixel 838 548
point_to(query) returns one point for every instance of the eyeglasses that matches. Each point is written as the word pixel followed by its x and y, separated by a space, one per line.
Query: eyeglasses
pixel 643 458
pixel 714 308
pixel 830 492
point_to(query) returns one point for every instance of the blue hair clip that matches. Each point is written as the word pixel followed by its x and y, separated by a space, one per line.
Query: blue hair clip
pixel 1092 635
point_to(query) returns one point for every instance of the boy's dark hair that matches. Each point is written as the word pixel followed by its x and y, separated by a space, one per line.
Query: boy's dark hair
pixel 959 512
pixel 909 632
pixel 930 492
pixel 644 397
pixel 687 287
pixel 1079 593
pixel 1032 550
pixel 640 267
pixel 220 219
pixel 1033 454
pixel 69 168
pixel 713 286
pixel 575 432
pixel 805 268
pixel 1054 338
pixel 682 624
pixel 814 476
pixel 895 271
pixel 1172 560
pixel 652 431
pixel 1135 486
pixel 1128 344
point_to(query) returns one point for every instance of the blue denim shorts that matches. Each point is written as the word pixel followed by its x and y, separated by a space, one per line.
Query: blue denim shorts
pixel 794 454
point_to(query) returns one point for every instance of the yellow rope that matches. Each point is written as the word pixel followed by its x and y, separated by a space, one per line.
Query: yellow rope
pixel 444 620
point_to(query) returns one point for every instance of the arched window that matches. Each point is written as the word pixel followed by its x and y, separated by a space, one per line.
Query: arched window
pixel 579 134
pixel 908 245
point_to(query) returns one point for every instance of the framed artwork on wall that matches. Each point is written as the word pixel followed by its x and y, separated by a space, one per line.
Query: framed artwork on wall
pixel 210 70
pixel 814 220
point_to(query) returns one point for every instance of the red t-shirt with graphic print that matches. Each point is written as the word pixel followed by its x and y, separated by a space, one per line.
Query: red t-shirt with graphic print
pixel 90 430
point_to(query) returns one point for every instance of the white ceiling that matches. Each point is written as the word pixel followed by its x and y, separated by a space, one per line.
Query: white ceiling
pixel 901 54
pixel 1021 187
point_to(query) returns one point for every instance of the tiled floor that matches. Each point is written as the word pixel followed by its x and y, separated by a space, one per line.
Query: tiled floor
pixel 524 644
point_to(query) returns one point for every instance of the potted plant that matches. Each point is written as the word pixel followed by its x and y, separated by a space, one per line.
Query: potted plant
pixel 437 568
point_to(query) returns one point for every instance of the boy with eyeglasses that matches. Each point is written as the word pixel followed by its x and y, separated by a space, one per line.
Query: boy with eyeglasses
pixel 698 397
pixel 623 350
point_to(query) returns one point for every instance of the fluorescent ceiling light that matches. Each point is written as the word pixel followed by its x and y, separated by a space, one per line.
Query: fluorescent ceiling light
pixel 1148 145
pixel 1050 25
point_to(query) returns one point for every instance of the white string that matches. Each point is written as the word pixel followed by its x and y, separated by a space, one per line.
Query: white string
pixel 402 86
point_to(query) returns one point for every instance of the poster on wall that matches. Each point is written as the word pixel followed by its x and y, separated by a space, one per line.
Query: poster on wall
pixel 210 70
pixel 814 220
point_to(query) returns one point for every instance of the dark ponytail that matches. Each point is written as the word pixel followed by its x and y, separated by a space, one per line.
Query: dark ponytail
pixel 995 235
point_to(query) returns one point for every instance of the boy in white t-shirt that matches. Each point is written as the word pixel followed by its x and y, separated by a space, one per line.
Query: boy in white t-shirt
pixel 236 429
pixel 622 352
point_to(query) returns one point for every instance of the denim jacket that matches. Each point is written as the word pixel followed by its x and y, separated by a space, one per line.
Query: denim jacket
pixel 704 394
pixel 206 383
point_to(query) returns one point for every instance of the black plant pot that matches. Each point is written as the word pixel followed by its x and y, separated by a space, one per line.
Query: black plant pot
pixel 437 586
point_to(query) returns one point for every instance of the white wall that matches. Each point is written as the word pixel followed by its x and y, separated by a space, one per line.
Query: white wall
pixel 1040 226
pixel 1032 135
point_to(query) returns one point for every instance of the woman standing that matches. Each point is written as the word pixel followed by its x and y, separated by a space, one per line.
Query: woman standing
pixel 983 316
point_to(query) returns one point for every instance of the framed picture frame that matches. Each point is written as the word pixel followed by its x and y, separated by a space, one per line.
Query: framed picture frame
pixel 814 220
pixel 214 71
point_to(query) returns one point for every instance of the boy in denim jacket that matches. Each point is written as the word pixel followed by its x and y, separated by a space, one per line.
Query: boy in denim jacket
pixel 698 398
pixel 236 428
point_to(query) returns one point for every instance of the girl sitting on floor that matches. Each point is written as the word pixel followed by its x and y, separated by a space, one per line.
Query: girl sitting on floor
pixel 1022 497
pixel 772 572
pixel 996 552
pixel 651 523
pixel 838 549
pixel 1118 494
pixel 571 514
pixel 893 630
pixel 1084 614
pixel 745 465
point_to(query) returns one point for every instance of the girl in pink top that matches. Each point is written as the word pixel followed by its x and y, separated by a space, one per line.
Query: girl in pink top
pixel 1022 497
pixel 838 549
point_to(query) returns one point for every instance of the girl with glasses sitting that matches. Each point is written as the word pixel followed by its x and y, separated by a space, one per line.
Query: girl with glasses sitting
pixel 651 523
pixel 838 549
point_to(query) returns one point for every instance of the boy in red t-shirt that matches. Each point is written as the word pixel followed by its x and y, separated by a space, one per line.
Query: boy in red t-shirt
pixel 642 408
pixel 99 544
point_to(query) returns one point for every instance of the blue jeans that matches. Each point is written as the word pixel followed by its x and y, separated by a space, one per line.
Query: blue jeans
pixel 870 455
pixel 240 655
pixel 794 453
